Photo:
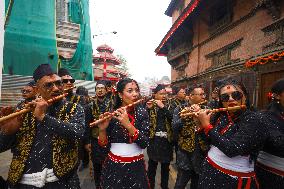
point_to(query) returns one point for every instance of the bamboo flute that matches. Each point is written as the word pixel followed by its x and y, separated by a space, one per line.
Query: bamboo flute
pixel 28 109
pixel 186 110
pixel 96 122
pixel 215 110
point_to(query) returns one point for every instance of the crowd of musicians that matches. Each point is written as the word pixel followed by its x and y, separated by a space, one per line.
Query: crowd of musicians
pixel 221 143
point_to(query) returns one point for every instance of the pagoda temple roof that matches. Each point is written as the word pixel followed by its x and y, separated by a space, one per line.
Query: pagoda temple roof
pixel 105 65
pixel 105 47
pixel 112 70
pixel 105 56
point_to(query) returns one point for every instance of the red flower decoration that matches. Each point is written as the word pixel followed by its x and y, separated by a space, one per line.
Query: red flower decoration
pixel 249 64
pixel 275 57
pixel 264 60
pixel 281 54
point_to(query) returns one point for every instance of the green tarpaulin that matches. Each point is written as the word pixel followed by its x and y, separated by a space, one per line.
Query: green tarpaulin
pixel 30 37
pixel 74 10
pixel 81 63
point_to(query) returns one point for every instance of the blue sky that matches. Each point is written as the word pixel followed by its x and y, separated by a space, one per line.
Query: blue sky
pixel 140 27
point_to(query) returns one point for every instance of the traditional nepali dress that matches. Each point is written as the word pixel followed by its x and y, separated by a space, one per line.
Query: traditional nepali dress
pixel 270 161
pixel 160 148
pixel 192 147
pixel 98 155
pixel 45 154
pixel 230 160
pixel 174 103
pixel 21 104
pixel 71 97
pixel 125 166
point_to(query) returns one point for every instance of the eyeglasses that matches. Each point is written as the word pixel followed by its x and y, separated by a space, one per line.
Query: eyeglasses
pixel 68 80
pixel 236 95
pixel 50 85
pixel 24 91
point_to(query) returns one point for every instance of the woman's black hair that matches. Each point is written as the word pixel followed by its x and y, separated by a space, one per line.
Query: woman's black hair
pixel 119 88
pixel 236 83
pixel 277 88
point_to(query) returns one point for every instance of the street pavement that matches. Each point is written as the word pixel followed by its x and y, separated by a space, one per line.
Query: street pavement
pixel 86 181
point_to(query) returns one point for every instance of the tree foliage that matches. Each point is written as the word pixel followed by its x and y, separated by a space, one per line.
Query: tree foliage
pixel 123 64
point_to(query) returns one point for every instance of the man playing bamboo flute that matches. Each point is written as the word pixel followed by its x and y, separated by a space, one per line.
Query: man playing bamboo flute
pixel 45 147
pixel 160 147
pixel 191 146
pixel 101 104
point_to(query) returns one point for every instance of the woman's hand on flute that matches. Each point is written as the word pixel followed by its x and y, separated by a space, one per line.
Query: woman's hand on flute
pixel 122 116
pixel 40 108
pixel 104 124
pixel 106 117
pixel 204 117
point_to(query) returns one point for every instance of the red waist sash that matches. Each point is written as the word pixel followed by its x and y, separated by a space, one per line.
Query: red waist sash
pixel 240 175
pixel 120 159
pixel 270 169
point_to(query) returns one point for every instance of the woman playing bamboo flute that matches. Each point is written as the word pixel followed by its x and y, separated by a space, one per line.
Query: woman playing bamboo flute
pixel 270 160
pixel 236 137
pixel 127 134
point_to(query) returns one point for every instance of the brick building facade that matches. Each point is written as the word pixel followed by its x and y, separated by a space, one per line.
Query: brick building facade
pixel 210 39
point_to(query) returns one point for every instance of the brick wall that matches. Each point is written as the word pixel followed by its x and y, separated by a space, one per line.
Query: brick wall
pixel 249 30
